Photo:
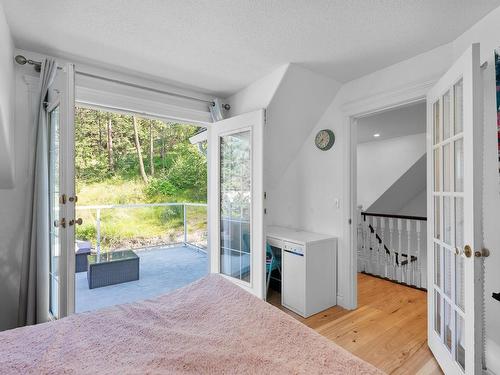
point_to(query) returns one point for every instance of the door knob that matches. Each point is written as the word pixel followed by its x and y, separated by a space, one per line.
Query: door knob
pixel 78 221
pixel 483 253
pixel 61 223
pixel 467 251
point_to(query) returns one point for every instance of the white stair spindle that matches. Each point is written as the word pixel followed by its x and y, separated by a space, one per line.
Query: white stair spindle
pixel 409 276
pixel 418 264
pixel 382 245
pixel 376 246
pixel 391 247
pixel 365 242
pixel 368 237
pixel 400 258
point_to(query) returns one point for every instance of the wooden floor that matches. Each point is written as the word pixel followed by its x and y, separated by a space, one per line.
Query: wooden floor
pixel 388 329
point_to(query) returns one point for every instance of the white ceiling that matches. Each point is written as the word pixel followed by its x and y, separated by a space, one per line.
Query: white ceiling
pixel 399 122
pixel 221 46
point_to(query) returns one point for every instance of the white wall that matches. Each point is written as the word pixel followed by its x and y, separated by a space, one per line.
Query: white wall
pixel 416 206
pixel 381 164
pixel 6 104
pixel 295 99
pixel 258 95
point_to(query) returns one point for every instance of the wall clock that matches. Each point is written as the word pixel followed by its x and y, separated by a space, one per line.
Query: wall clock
pixel 324 139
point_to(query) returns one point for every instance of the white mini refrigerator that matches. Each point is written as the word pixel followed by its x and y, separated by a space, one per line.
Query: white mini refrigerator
pixel 309 269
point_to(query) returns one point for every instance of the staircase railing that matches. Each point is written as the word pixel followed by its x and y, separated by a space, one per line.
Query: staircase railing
pixel 393 247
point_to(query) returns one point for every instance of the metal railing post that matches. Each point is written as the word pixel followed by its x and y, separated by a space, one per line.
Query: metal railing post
pixel 98 234
pixel 185 224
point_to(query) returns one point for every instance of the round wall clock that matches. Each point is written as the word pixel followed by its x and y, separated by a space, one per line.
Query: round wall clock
pixel 325 139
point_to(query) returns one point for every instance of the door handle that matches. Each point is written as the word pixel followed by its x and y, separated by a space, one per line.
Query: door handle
pixel 61 223
pixel 478 253
pixel 483 253
pixel 78 221
pixel 467 251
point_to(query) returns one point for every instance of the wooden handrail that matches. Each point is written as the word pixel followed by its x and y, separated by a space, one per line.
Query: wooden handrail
pixel 421 218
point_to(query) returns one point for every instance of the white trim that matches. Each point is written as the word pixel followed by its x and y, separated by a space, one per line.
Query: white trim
pixel 353 110
pixel 97 93
pixel 119 102
pixel 405 95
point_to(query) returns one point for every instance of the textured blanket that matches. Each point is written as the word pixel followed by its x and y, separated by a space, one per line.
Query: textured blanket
pixel 208 327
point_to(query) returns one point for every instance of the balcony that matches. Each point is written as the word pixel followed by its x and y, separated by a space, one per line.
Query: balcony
pixel 170 243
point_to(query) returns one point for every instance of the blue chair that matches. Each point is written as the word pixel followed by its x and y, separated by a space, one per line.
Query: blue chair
pixel 272 263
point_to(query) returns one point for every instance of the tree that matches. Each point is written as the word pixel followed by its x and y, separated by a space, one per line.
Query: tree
pixel 111 165
pixel 138 149
pixel 151 149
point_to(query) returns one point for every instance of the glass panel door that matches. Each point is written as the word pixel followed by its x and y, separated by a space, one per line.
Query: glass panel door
pixel 235 200
pixel 235 204
pixel 454 322
pixel 55 211
pixel 61 189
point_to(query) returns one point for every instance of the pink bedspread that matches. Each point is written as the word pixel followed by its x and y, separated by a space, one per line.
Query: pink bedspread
pixel 208 327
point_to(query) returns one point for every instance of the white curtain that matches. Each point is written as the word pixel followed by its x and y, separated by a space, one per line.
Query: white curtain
pixel 34 288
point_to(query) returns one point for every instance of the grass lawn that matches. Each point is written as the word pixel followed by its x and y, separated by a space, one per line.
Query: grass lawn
pixel 134 227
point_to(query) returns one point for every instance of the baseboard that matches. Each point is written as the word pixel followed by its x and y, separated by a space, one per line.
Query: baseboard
pixel 492 358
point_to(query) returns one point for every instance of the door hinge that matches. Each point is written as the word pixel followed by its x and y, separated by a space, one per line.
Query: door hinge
pixel 350 221
pixel 265 116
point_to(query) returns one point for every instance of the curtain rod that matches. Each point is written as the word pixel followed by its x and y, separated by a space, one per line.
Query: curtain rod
pixel 21 60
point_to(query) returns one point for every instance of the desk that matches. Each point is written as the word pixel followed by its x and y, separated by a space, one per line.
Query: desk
pixel 309 269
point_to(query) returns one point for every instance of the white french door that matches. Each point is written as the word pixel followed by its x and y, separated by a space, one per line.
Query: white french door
pixel 235 200
pixel 454 123
pixel 60 110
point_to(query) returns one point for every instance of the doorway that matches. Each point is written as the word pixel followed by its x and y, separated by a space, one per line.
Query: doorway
pixel 391 194
pixel 142 207
pixel 391 225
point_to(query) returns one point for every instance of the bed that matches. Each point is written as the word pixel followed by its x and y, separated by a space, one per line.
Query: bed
pixel 209 327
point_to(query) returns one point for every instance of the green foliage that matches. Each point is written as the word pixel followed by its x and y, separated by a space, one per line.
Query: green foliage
pixel 185 179
pixel 105 152
pixel 107 172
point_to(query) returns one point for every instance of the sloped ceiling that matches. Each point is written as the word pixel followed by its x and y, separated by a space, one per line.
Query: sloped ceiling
pixel 222 46
pixel 300 100
pixel 403 190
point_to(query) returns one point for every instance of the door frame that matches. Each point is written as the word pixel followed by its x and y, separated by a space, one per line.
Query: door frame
pixel 351 113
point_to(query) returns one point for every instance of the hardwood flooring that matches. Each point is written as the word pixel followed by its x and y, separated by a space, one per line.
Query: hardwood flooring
pixel 388 329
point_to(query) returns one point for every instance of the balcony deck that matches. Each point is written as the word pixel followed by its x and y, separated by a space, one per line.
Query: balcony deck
pixel 162 269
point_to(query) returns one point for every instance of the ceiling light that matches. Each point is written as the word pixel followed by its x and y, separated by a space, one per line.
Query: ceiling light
pixel 376 135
